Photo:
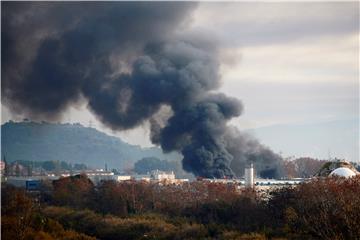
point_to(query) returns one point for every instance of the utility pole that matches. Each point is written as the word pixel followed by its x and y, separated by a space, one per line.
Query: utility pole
pixel 17 169
pixel 6 167
pixel 30 168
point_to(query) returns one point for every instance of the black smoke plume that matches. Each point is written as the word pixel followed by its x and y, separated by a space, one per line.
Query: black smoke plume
pixel 128 61
pixel 246 149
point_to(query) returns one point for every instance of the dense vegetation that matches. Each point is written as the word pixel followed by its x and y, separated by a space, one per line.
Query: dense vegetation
pixel 51 165
pixel 145 165
pixel 73 208
pixel 40 142
pixel 303 167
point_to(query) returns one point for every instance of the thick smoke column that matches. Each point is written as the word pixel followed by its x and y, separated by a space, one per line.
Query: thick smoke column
pixel 246 149
pixel 52 51
pixel 128 62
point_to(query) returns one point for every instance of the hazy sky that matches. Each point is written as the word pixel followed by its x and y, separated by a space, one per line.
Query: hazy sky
pixel 289 63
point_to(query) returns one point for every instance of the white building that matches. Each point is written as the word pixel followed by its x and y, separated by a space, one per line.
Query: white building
pixel 97 176
pixel 120 178
pixel 161 175
pixel 249 176
pixel 142 177
pixel 343 172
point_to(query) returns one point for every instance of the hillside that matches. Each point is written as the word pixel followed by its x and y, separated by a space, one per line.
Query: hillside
pixel 73 143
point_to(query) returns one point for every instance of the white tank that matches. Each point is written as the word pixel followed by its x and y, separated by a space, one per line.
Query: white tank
pixel 249 176
pixel 343 172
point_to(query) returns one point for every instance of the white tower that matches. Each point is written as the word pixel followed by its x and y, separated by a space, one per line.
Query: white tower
pixel 249 176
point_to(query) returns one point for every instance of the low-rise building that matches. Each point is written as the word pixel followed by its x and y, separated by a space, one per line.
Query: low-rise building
pixel 162 175
pixel 141 177
pixel 120 178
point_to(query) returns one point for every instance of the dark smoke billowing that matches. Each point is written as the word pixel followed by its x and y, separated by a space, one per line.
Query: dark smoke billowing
pixel 128 61
pixel 246 149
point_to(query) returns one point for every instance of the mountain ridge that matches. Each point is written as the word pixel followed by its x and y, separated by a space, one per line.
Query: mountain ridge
pixel 36 141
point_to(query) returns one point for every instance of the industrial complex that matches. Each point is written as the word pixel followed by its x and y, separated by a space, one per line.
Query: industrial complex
pixel 337 168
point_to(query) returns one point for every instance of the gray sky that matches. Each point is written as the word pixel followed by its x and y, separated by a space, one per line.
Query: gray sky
pixel 290 63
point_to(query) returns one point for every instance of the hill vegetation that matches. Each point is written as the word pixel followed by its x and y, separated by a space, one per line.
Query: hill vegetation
pixel 71 143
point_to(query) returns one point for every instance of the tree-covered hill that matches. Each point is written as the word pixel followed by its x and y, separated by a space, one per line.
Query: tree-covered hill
pixel 72 143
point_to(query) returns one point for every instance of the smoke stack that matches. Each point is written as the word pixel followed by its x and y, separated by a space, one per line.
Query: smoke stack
pixel 249 176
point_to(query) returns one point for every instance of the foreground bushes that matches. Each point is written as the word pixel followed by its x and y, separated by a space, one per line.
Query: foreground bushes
pixel 321 209
pixel 21 219
pixel 246 213
pixel 135 227
pixel 153 226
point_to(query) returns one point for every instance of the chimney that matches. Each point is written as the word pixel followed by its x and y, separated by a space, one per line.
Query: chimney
pixel 249 176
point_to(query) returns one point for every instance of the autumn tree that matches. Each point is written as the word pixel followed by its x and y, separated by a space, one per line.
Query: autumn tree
pixel 290 169
pixel 306 167
pixel 16 213
pixel 325 208
pixel 75 191
pixel 109 198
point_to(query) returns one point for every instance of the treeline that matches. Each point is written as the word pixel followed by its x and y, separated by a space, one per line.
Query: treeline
pixel 303 167
pixel 321 209
pixel 29 168
pixel 148 164
pixel 52 165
